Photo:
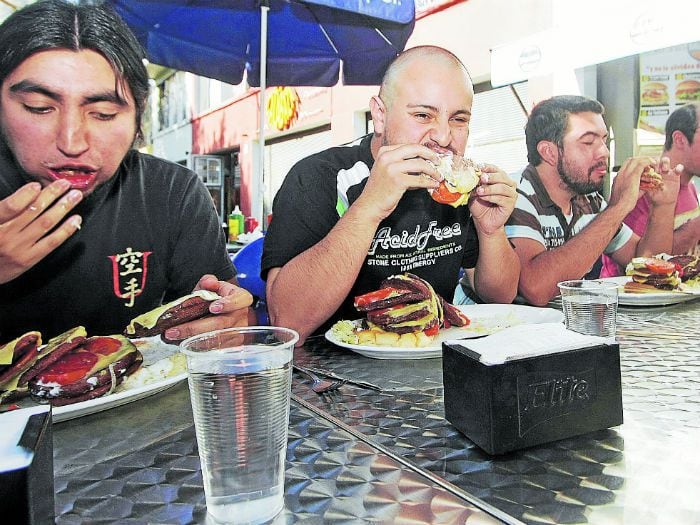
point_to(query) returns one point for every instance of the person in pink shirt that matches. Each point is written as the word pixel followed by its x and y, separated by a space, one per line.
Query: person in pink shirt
pixel 682 147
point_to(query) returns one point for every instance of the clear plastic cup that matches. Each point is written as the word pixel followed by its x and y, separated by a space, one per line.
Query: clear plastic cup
pixel 590 306
pixel 240 381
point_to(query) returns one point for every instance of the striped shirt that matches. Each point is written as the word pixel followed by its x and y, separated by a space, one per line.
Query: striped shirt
pixel 538 218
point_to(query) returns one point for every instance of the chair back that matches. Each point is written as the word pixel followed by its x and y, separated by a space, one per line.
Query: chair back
pixel 247 262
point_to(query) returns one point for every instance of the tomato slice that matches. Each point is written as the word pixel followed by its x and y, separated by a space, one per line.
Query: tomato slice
pixel 371 297
pixel 102 345
pixel 660 266
pixel 432 331
pixel 70 368
pixel 444 195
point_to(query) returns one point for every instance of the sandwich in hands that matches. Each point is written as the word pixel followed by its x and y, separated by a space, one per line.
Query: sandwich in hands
pixel 650 180
pixel 405 311
pixel 460 177
pixel 92 369
pixel 651 274
pixel 182 310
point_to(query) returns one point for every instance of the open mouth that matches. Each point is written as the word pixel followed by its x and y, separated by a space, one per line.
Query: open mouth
pixel 79 178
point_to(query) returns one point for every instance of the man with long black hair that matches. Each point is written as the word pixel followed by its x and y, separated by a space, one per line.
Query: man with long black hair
pixel 93 232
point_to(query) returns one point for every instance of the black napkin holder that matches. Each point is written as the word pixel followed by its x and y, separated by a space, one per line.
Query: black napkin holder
pixel 527 402
pixel 27 494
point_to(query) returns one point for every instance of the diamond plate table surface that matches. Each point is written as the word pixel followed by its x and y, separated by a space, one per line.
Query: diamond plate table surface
pixel 144 467
pixel 138 464
pixel 646 471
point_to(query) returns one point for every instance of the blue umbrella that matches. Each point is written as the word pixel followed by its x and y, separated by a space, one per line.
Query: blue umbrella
pixel 304 45
pixel 302 42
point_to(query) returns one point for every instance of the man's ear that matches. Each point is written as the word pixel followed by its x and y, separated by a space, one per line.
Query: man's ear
pixel 679 139
pixel 548 151
pixel 378 111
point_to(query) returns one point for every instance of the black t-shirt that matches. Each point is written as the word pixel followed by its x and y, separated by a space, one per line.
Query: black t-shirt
pixel 148 235
pixel 421 236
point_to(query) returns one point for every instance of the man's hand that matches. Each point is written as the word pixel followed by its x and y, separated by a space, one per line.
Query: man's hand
pixel 625 189
pixel 233 309
pixel 493 200
pixel 667 193
pixel 26 218
pixel 397 169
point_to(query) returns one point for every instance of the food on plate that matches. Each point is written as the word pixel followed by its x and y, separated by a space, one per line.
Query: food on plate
pixel 651 274
pixel 90 370
pixel 182 310
pixel 405 311
pixel 688 91
pixel 32 357
pixel 164 368
pixel 688 267
pixel 460 177
pixel 650 180
pixel 654 94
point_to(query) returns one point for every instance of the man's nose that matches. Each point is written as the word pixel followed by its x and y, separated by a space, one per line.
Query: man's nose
pixel 72 135
pixel 441 133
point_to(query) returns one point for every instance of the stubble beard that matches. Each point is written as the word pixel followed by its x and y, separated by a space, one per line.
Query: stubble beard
pixel 578 187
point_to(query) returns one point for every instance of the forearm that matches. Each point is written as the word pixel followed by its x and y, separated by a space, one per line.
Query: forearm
pixel 686 237
pixel 313 285
pixel 497 269
pixel 658 237
pixel 540 274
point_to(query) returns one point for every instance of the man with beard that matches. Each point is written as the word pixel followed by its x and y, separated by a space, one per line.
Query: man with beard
pixel 92 232
pixel 682 147
pixel 561 224
pixel 348 217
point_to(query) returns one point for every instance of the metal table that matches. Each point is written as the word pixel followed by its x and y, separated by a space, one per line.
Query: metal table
pixel 356 456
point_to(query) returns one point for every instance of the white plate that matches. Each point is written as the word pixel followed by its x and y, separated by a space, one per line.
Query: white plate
pixel 113 400
pixel 485 319
pixel 649 299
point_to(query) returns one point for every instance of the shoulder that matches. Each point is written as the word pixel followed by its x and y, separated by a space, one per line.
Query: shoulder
pixel 350 163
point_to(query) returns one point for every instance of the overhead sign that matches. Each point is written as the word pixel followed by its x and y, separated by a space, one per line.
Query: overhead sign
pixel 603 31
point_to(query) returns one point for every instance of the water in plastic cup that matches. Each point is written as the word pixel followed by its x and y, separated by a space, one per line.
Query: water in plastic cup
pixel 240 380
pixel 590 307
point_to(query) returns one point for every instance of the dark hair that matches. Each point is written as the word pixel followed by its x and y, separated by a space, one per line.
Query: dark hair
pixel 56 24
pixel 550 118
pixel 683 119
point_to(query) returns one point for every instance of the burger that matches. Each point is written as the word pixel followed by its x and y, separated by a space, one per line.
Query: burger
pixel 459 177
pixel 92 369
pixel 654 94
pixel 405 311
pixel 651 274
pixel 650 180
pixel 187 308
pixel 688 91
pixel 688 266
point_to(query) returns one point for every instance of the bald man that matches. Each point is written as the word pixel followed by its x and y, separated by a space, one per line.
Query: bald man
pixel 350 216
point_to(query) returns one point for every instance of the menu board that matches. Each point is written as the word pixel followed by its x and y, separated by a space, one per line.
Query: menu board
pixel 668 78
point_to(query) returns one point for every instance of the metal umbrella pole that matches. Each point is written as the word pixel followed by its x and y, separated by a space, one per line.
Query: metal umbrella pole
pixel 259 205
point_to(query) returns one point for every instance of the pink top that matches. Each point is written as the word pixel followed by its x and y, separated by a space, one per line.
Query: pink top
pixel 637 220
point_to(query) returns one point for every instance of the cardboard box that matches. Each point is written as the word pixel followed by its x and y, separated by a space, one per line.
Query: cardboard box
pixel 534 400
pixel 27 492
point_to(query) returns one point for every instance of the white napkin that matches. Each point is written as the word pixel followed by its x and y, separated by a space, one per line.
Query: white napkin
pixel 12 456
pixel 528 340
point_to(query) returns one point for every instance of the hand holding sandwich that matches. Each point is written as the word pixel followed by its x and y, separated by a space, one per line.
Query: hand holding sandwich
pixel 655 178
pixel 493 201
pixel 232 308
pixel 26 218
pixel 396 169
